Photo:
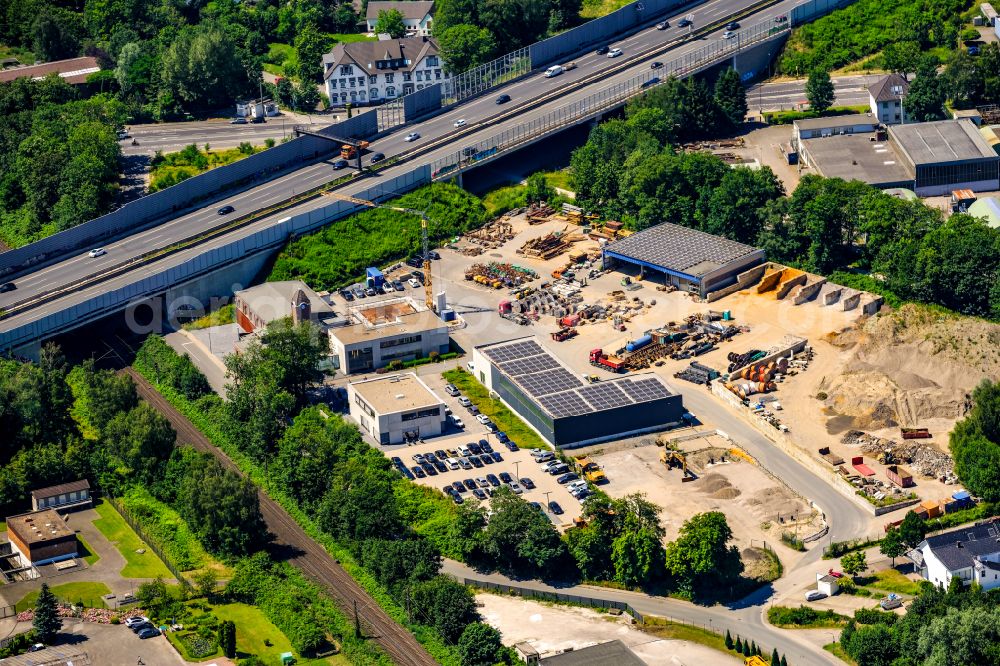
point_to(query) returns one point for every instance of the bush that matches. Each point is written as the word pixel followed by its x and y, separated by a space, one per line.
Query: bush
pixel 874 616
pixel 792 541
pixel 803 616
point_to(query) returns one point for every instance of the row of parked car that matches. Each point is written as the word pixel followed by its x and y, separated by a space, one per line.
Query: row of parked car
pixel 576 486
pixel 468 456
pixel 141 626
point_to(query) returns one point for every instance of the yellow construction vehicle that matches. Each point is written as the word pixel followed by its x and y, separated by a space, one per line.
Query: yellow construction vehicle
pixel 591 470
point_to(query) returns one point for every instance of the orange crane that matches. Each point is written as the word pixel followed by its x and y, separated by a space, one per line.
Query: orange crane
pixel 425 241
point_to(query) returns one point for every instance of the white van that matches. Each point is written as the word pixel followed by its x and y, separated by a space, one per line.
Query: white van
pixel 554 70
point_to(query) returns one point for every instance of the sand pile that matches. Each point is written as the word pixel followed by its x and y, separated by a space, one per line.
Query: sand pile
pixel 776 501
pixel 909 366
pixel 718 487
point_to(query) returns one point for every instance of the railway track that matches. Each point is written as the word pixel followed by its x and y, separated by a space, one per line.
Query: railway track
pixel 292 544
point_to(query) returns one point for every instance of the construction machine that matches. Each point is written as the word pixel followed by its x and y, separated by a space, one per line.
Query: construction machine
pixel 424 237
pixel 591 470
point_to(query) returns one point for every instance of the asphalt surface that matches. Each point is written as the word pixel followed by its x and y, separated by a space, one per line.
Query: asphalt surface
pixel 790 95
pixel 72 271
pixel 171 137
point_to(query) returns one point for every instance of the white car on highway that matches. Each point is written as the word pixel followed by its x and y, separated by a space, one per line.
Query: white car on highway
pixel 729 34
pixel 460 122
pixel 412 136
pixel 615 52
pixel 97 252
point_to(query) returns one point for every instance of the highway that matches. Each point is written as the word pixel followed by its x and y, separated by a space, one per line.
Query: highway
pixel 220 134
pixel 73 270
pixel 788 95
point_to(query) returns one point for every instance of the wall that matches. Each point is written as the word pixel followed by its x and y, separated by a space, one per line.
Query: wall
pixel 756 60
pixel 812 9
pixel 743 281
pixel 421 103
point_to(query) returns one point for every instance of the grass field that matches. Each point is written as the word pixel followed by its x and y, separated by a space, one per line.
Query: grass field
pixel 560 179
pixel 348 38
pixel 891 580
pixel 89 593
pixel 117 531
pixel 597 8
pixel 86 552
pixel 665 629
pixel 505 419
pixel 224 315
pixel 838 652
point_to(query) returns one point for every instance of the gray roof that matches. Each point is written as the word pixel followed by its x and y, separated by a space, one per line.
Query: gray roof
pixel 956 549
pixel 52 491
pixel 834 122
pixel 274 300
pixel 681 249
pixel 941 141
pixel 559 391
pixel 415 10
pixel 613 652
pixel 857 157
pixel 412 50
pixel 890 88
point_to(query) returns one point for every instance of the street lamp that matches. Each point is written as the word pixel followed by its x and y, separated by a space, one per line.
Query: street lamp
pixel 516 472
pixel 547 493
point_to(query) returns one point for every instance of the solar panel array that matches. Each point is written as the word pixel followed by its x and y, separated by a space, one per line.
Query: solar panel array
pixel 559 391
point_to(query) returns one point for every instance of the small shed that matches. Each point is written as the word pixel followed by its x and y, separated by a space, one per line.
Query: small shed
pixel 527 653
pixel 287 658
pixel 827 584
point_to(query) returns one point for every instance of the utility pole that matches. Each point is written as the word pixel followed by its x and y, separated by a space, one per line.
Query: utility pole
pixel 357 622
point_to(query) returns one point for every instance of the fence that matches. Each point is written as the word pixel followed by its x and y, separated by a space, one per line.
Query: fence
pixel 602 100
pixel 814 8
pixel 135 525
pixel 545 595
pixel 504 69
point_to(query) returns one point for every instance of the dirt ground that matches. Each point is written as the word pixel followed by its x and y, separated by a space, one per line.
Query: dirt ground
pixel 552 628
pixel 757 507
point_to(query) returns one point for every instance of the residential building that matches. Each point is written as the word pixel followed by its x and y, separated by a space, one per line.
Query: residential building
pixel 886 96
pixel 41 537
pixel 971 554
pixel 373 335
pixel 72 495
pixel 417 15
pixel 395 409
pixel 73 71
pixel 374 72
pixel 258 306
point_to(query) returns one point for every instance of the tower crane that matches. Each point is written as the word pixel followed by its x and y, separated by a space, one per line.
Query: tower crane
pixel 425 241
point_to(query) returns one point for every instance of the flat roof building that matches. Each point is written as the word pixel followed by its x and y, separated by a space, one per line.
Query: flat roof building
pixel 41 537
pixel 689 259
pixel 373 335
pixel 72 495
pixel 395 409
pixel 613 652
pixel 855 123
pixel 258 306
pixel 73 70
pixel 565 410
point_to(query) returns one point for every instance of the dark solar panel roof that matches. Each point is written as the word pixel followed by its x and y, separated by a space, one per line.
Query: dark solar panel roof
pixel 560 392
pixel 680 249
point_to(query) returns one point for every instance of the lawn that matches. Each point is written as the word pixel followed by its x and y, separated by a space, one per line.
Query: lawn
pixel 597 8
pixel 88 593
pixel 86 552
pixel 836 650
pixel 804 617
pixel 505 419
pixel 668 630
pixel 891 580
pixel 560 179
pixel 117 531
pixel 348 38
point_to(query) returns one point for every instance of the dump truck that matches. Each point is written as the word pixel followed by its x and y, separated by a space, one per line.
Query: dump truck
pixel 349 152
pixel 563 334
pixel 591 470
pixel 599 359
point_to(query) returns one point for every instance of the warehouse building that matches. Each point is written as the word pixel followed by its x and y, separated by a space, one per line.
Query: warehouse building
pixel 396 409
pixel 374 335
pixel 565 410
pixel 688 259
pixel 41 537
pixel 65 496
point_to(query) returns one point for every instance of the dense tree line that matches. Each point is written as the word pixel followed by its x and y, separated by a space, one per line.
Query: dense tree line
pixel 960 625
pixel 630 170
pixel 975 443
pixel 868 26
pixel 58 157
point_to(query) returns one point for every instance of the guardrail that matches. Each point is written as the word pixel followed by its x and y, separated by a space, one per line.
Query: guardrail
pixel 603 100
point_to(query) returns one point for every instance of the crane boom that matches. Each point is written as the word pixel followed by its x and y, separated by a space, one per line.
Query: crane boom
pixel 424 237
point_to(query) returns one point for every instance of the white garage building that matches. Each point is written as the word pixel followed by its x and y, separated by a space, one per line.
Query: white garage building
pixel 396 408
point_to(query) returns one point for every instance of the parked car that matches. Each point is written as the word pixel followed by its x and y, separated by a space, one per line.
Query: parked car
pixel 135 620
pixel 516 487
pixel 412 136
pixel 536 505
pixel 566 478
pixel 149 632
pixel 482 482
pixel 482 418
pixel 555 508
pixel 464 450
pixel 457 498
pixel 226 210
pixel 480 494
pixel 339 164
pixel 440 467
pixel 458 486
pixel 464 463
pixel 413 283
pixel 603 50
pixel 347 295
pixel 496 457
pixel 460 122
pixel 419 458
pixel 377 157
pixel 465 402
pixel 398 285
pixel 7 286
pixel 418 472
pixel 511 446
pixel 528 483
pixel 558 470
pixel 503 99
pixel 815 595
pixel 238 121
pixel 487 459
pixel 142 625
pixel 429 469
pixel 494 481
pixel 485 446
pixel 476 462
pixel 97 252
pixel 458 422
pixel 614 53
pixel 475 448
pixel 663 25
pixel 506 477
pixel 370 291
pixel 451 390
pixel 470 484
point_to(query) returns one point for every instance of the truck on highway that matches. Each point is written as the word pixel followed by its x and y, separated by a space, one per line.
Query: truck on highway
pixel 349 152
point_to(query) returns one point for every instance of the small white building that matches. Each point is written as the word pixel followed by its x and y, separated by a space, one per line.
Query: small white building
pixel 417 15
pixel 971 554
pixel 65 496
pixel 365 73
pixel 396 408
pixel 885 97
pixel 827 584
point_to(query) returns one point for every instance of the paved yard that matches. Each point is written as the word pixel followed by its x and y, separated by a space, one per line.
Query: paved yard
pixel 111 645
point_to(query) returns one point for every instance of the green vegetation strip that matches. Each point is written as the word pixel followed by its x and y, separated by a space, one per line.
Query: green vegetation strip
pixel 668 630
pixel 804 617
pixel 498 412
pixel 71 593
pixel 117 531
pixel 89 556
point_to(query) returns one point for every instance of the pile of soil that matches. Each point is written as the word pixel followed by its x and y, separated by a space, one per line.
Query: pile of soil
pixel 717 486
pixel 769 503
pixel 909 366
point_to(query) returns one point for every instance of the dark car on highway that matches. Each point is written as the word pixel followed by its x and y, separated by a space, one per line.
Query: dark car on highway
pixel 652 82
pixel 663 25
pixel 339 164
pixel 226 210
pixel 685 22
pixel 603 50
pixel 733 26
pixel 378 157
pixel 503 99
pixel 656 64
pixel 7 286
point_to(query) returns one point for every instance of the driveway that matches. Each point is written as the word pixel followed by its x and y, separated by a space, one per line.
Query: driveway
pixel 108 645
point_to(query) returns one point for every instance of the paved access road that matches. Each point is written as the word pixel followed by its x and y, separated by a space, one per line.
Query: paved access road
pixel 788 95
pixel 220 134
pixel 74 269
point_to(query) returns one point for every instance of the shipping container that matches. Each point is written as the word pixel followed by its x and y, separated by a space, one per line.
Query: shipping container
pixel 899 476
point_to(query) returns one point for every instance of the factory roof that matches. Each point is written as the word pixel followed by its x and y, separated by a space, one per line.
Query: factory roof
pixel 38 527
pixel 384 319
pixel 560 392
pixel 612 652
pixel 957 549
pixel 680 249
pixel 396 393
pixel 857 157
pixel 411 9
pixel 834 122
pixel 941 141
pixel 74 70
